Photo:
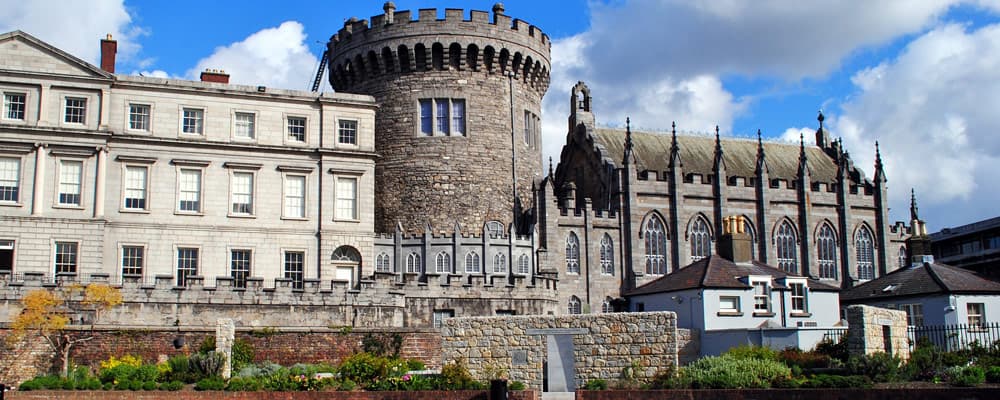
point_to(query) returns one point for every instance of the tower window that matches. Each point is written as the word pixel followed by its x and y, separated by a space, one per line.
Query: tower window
pixel 442 117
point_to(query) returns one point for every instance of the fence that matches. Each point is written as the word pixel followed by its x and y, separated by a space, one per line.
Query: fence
pixel 945 337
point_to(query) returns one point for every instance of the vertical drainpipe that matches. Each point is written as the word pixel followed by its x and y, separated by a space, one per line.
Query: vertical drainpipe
pixel 319 193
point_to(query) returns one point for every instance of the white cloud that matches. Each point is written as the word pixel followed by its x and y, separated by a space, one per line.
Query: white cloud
pixel 797 134
pixel 74 26
pixel 932 108
pixel 275 57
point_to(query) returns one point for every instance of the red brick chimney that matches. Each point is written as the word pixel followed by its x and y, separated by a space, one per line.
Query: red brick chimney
pixel 214 75
pixel 109 49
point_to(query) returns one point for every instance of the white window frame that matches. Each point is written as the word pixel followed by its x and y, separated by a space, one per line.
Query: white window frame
pixel 826 252
pixel 237 282
pixel 340 129
pixel 55 256
pixel 145 120
pixel 800 295
pixel 975 314
pixel 10 244
pixel 288 129
pixel 252 195
pixel 285 273
pixel 572 254
pixel 200 125
pixel 764 282
pixel 243 130
pixel 457 126
pixel 700 238
pixel 83 113
pixel 607 255
pixel 181 279
pixel 786 247
pixel 523 265
pixel 338 200
pixel 7 105
pixel 286 198
pixel 126 188
pixel 733 301
pixel 142 257
pixel 500 263
pixel 382 263
pixel 18 161
pixel 413 263
pixel 442 263
pixel 200 193
pixel 864 249
pixel 60 184
pixel 439 316
pixel 654 233
pixel 473 263
pixel 574 306
pixel 914 313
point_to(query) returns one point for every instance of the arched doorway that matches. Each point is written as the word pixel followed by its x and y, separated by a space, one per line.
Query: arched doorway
pixel 346 261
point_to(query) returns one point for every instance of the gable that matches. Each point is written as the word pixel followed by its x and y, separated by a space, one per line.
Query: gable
pixel 22 53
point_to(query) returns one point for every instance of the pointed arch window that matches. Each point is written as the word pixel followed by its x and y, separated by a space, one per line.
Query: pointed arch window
pixel 499 263
pixel 606 306
pixel 382 263
pixel 574 306
pixel 413 263
pixel 864 246
pixel 607 256
pixel 523 265
pixel 748 228
pixel 472 265
pixel 572 254
pixel 656 246
pixel 826 251
pixel 700 239
pixel 785 241
pixel 442 263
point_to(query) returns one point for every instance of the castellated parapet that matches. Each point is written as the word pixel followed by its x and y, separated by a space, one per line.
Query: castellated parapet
pixel 443 130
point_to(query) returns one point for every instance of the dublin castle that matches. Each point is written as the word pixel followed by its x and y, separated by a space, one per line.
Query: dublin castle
pixel 415 192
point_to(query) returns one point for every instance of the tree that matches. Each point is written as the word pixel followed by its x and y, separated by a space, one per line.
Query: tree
pixel 47 314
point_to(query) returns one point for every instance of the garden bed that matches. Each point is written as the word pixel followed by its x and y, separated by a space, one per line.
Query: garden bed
pixel 937 393
pixel 211 395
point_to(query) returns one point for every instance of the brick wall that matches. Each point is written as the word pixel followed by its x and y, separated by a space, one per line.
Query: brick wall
pixel 191 395
pixel 793 394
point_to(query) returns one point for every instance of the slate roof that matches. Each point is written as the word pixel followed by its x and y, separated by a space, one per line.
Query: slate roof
pixel 716 272
pixel 921 280
pixel 652 151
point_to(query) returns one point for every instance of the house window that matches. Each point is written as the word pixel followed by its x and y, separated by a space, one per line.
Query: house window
pixel 413 263
pixel 189 189
pixel 76 110
pixel 442 263
pixel 193 121
pixel 6 256
pixel 242 193
pixel 523 264
pixel 826 247
pixel 574 306
pixel 138 117
pixel 499 263
pixel 606 306
pixel 472 265
pixel 494 229
pixel 863 244
pixel 66 257
pixel 347 132
pixel 440 315
pixel 976 313
pixel 347 198
pixel 729 304
pixel 607 256
pixel 785 245
pixel 10 178
pixel 239 266
pixel 13 106
pixel 656 246
pixel 800 302
pixel 701 239
pixel 572 254
pixel 295 196
pixel 296 129
pixel 187 264
pixel 914 314
pixel 132 260
pixel 245 125
pixel 761 297
pixel 530 128
pixel 442 116
pixel 902 256
pixel 69 182
pixel 135 187
pixel 382 263
pixel 295 267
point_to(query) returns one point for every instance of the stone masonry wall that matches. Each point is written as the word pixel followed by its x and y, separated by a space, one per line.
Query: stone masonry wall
pixel 611 343
pixel 866 331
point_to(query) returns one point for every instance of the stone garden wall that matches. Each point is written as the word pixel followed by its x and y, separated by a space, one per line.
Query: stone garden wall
pixel 604 345
pixel 870 327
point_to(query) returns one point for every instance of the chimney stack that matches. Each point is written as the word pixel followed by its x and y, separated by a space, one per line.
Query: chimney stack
pixel 734 244
pixel 918 245
pixel 109 49
pixel 214 75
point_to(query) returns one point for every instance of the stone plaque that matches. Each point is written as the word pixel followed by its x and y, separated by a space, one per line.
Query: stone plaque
pixel 519 357
pixel 884 321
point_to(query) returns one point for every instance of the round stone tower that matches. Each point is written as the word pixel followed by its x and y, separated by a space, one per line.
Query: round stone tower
pixel 449 91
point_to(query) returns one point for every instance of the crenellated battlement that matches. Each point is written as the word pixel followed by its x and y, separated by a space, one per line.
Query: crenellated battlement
pixel 395 43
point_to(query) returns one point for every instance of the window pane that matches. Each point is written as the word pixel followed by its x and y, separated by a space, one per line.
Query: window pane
pixel 132 257
pixel 190 190
pixel 472 263
pixel 347 132
pixel 295 206
pixel 458 116
pixel 442 115
pixel 76 110
pixel 295 267
pixel 426 117
pixel 10 174
pixel 138 117
pixel 193 121
pixel 135 188
pixel 296 129
pixel 245 125
pixel 242 192
pixel 13 106
pixel 656 246
pixel 347 198
pixel 66 257
pixel 69 182
pixel 826 245
pixel 572 254
pixel 187 264
pixel 785 242
pixel 240 267
pixel 866 254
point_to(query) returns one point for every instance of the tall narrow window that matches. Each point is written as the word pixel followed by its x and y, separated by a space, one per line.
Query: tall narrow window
pixel 244 125
pixel 295 196
pixel 13 106
pixel 976 313
pixel 189 189
pixel 66 257
pixel 382 263
pixel 413 265
pixel 69 182
pixel 426 117
pixel 295 268
pixel 902 256
pixel 187 264
pixel 761 297
pixel 347 198
pixel 914 314
pixel 701 239
pixel 574 306
pixel 785 244
pixel 193 121
pixel 607 256
pixel 527 126
pixel 347 132
pixel 523 264
pixel 296 129
pixel 442 263
pixel 135 187
pixel 76 110
pixel 138 117
pixel 472 264
pixel 441 115
pixel 606 306
pixel 656 246
pixel 826 249
pixel 10 180
pixel 132 260
pixel 572 254
pixel 242 193
pixel 865 249
pixel 458 116
pixel 239 266
pixel 499 263
pixel 799 300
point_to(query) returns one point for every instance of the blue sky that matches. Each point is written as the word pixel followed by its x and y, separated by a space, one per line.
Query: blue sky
pixel 920 77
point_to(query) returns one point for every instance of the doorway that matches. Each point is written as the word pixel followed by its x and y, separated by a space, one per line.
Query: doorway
pixel 559 369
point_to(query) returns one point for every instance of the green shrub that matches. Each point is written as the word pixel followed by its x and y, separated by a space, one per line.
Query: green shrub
pixel 243 353
pixel 172 386
pixel 48 382
pixel 727 372
pixel 135 385
pixel 347 385
pixel 91 384
pixel 880 367
pixel 836 350
pixel 517 385
pixel 118 373
pixel 149 385
pixel 794 357
pixel 750 351
pixel 664 379
pixel 456 376
pixel 928 361
pixel 107 386
pixel 68 384
pixel 29 385
pixel 213 383
pixel 362 367
pixel 180 370
pixel 244 385
pixel 596 384
pixel 415 365
pixel 208 364
pixel 970 376
pixel 146 373
pixel 837 381
pixel 993 374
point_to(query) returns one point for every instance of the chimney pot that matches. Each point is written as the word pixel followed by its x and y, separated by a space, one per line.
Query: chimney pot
pixel 735 243
pixel 109 50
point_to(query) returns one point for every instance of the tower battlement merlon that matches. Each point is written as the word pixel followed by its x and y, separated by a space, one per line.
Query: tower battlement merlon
pixel 454 20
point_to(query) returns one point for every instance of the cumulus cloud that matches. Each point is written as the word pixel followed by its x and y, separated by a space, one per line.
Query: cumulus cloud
pixel 276 57
pixel 932 109
pixel 797 134
pixel 74 26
